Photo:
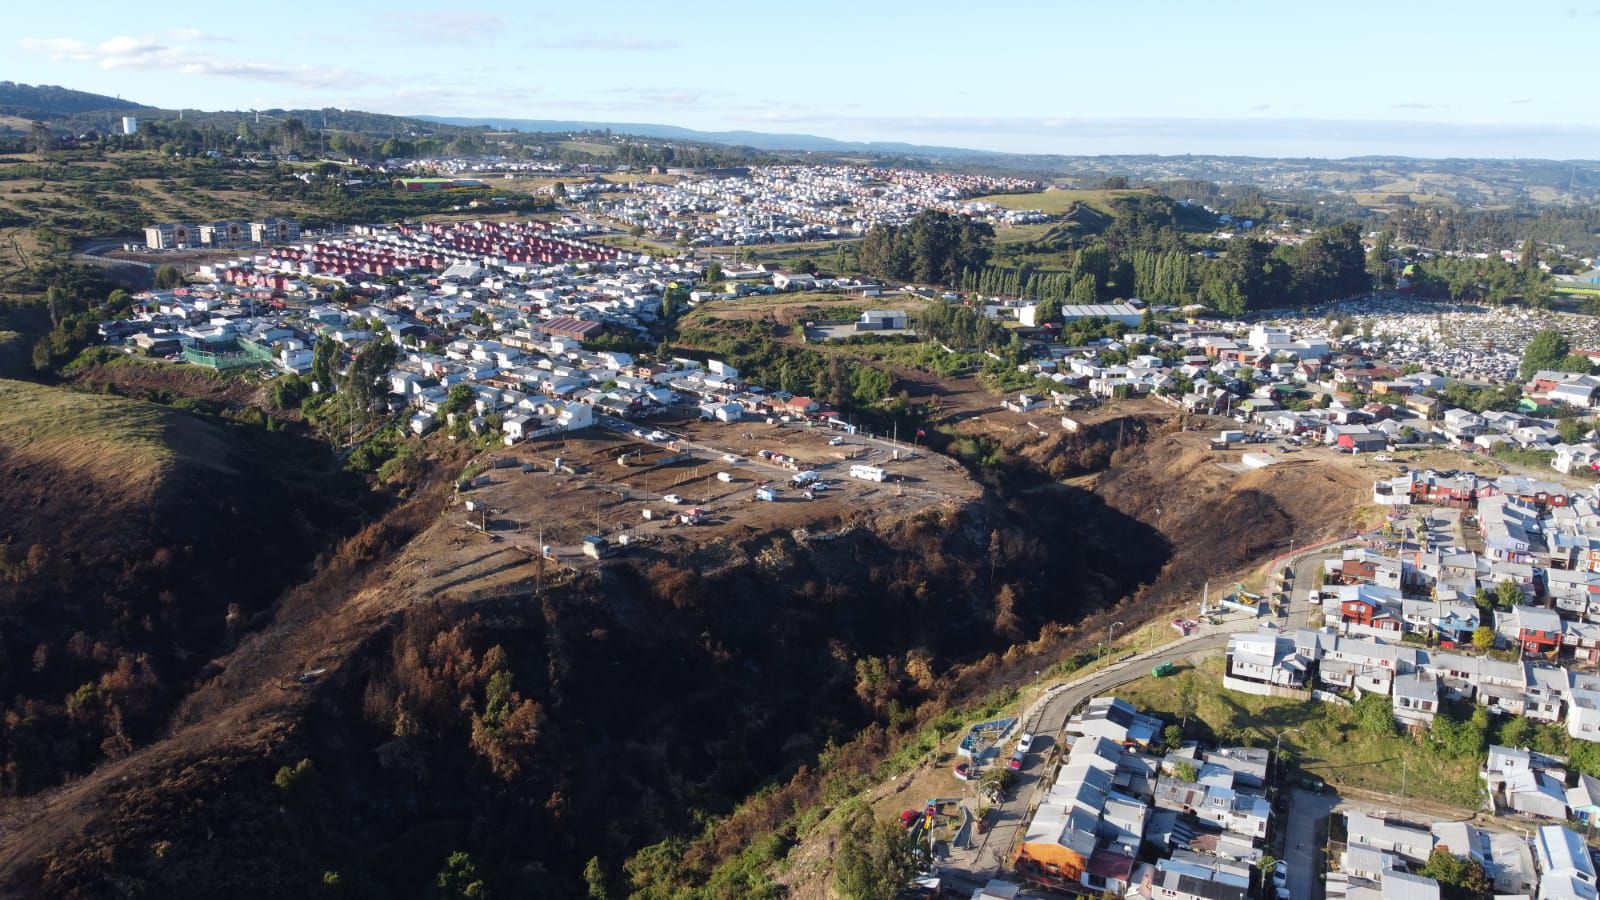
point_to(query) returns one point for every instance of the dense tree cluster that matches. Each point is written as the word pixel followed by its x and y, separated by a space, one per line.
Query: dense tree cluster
pixel 1487 230
pixel 933 248
pixel 74 318
pixel 1549 349
pixel 873 859
pixel 1490 280
pixel 844 383
pixel 959 327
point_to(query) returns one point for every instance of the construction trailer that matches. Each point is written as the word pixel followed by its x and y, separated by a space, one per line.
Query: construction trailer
pixel 868 473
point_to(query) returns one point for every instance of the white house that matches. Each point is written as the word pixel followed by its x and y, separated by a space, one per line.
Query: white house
pixel 518 427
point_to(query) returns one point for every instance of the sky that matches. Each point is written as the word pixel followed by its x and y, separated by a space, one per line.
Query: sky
pixel 1401 77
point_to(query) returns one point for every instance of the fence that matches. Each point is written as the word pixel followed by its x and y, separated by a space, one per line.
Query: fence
pixel 232 355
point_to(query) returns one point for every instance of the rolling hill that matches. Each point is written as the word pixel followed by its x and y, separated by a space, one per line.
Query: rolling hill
pixel 50 101
pixel 760 140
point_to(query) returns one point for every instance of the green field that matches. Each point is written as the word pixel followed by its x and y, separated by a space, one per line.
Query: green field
pixel 1056 201
pixel 1329 742
pixel 592 147
pixel 824 253
pixel 1577 288
pixel 1021 234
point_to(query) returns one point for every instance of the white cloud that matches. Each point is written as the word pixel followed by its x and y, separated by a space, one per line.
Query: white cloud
pixel 147 54
pixel 58 49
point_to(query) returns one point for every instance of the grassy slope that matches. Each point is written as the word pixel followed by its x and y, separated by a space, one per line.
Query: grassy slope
pixel 108 439
pixel 1054 200
pixel 1329 744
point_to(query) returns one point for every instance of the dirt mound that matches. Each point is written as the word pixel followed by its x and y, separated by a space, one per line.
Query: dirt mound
pixel 1218 519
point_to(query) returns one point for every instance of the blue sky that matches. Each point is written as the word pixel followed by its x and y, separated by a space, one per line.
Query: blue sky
pixel 1413 77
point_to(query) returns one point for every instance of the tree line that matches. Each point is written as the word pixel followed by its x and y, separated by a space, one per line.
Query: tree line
pixel 1250 274
pixel 1491 280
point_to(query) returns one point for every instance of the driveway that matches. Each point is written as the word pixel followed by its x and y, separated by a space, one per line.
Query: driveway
pixel 1301 847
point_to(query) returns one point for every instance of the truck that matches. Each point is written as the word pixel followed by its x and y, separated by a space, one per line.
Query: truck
pixel 766 494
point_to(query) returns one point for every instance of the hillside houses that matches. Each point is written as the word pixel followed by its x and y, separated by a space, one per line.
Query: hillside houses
pixel 1108 802
pixel 1417 679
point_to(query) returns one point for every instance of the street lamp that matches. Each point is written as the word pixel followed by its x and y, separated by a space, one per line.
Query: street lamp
pixel 1278 744
pixel 1112 631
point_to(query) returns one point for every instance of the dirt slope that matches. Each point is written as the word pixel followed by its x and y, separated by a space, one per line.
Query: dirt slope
pixel 103 834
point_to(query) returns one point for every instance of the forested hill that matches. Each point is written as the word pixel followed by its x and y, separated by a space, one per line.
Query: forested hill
pixel 48 100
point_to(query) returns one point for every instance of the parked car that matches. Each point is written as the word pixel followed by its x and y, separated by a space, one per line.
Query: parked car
pixel 1025 743
pixel 1016 760
pixel 730 458
pixel 672 498
pixel 836 442
pixel 657 436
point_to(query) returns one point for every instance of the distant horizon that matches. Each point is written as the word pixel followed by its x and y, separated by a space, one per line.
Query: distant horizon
pixel 1175 129
pixel 1591 142
pixel 1358 79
